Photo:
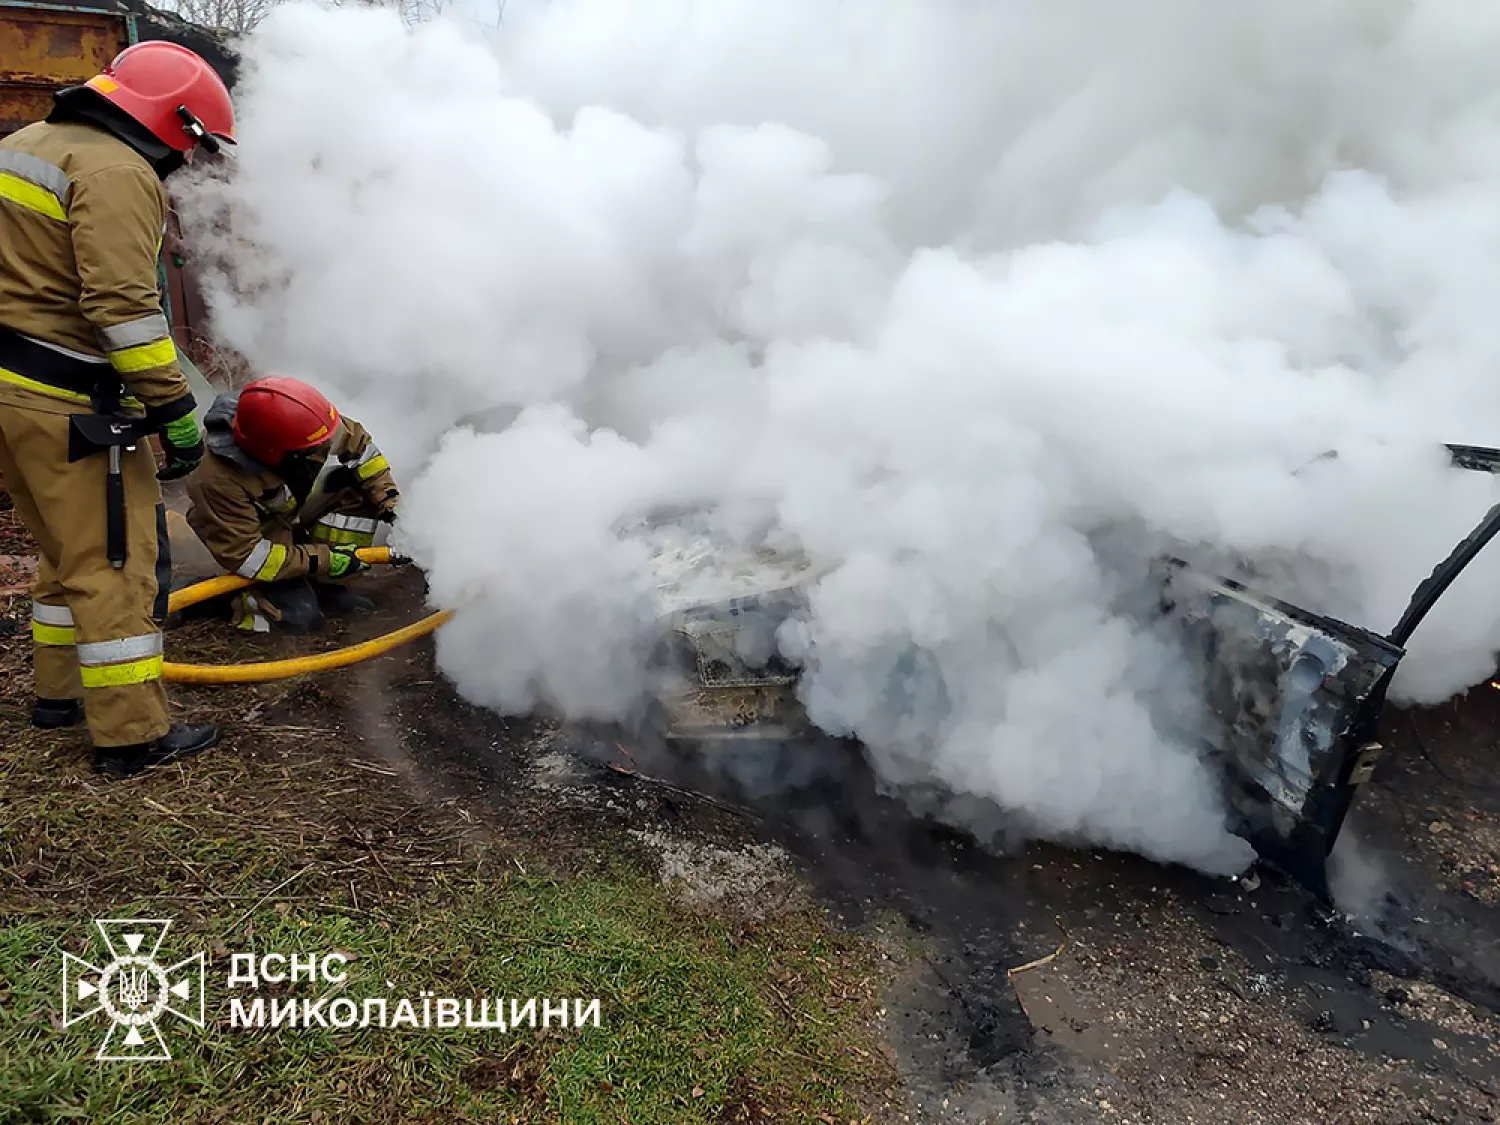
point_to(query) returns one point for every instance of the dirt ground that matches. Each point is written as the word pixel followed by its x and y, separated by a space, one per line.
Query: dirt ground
pixel 1059 986
pixel 1037 984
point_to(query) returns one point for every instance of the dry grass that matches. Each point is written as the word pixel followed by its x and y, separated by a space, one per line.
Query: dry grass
pixel 290 838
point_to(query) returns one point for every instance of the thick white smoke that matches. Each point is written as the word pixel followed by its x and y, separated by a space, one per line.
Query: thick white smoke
pixel 947 294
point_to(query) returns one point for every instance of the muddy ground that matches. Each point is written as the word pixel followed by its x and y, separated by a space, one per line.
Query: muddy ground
pixel 1043 985
pixel 1155 995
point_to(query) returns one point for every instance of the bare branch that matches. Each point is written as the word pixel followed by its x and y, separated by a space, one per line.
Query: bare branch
pixel 236 16
pixel 240 16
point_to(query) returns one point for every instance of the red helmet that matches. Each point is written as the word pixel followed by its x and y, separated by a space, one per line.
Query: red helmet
pixel 172 92
pixel 277 416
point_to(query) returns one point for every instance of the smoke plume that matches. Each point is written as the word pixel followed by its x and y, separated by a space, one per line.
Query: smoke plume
pixel 979 305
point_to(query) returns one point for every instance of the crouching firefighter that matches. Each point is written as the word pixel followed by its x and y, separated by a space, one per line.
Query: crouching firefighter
pixel 289 491
pixel 88 374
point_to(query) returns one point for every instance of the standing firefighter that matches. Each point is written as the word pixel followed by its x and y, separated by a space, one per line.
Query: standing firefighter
pixel 87 374
pixel 289 491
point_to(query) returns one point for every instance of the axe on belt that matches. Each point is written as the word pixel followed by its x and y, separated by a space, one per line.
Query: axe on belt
pixel 89 434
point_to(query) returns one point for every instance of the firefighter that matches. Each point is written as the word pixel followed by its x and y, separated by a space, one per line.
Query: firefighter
pixel 88 374
pixel 289 491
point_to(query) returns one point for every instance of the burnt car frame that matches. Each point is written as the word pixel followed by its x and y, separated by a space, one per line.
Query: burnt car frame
pixel 1294 697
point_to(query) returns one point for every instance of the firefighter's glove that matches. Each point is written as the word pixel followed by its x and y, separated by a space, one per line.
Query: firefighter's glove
pixel 182 442
pixel 341 564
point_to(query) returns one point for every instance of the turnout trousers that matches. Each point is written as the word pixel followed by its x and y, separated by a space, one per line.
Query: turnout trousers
pixel 96 630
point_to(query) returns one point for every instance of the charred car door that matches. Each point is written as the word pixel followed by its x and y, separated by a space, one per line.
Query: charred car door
pixel 1295 698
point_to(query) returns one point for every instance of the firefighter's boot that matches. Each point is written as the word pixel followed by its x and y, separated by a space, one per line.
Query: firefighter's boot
pixel 54 714
pixel 337 599
pixel 182 741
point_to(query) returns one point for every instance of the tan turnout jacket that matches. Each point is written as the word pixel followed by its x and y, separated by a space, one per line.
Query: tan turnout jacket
pixel 78 260
pixel 253 525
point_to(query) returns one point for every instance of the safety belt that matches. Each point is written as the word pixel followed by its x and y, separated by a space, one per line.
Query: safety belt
pixel 108 429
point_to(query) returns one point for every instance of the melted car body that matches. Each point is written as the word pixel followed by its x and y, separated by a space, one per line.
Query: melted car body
pixel 1292 699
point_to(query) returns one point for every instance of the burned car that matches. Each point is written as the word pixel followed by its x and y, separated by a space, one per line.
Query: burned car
pixel 1294 697
pixel 725 677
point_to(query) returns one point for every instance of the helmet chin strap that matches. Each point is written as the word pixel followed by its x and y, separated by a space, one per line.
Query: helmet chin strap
pixel 304 470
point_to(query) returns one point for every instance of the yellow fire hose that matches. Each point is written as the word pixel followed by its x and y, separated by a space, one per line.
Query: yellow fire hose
pixel 296 666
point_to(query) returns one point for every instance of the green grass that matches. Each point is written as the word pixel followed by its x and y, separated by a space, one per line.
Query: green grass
pixel 689 1028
